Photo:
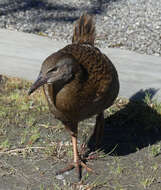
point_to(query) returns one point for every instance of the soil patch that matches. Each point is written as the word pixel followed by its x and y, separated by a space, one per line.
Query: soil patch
pixel 33 145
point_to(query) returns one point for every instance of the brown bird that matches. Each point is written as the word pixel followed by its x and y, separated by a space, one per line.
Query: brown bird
pixel 79 81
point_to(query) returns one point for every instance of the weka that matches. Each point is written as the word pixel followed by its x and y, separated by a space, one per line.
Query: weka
pixel 79 81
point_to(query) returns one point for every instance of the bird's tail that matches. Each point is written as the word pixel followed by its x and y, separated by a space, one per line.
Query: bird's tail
pixel 84 30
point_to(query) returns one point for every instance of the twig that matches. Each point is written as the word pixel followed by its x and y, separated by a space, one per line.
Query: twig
pixel 20 150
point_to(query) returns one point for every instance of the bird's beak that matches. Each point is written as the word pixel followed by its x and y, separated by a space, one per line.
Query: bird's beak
pixel 39 82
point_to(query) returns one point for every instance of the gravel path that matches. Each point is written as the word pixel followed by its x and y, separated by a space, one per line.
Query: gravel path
pixel 127 24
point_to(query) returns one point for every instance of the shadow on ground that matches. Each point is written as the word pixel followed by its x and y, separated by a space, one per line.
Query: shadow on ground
pixel 128 128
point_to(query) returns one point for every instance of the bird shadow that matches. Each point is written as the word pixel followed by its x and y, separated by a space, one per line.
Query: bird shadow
pixel 135 126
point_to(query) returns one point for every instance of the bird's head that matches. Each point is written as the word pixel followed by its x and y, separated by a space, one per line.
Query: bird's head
pixel 58 72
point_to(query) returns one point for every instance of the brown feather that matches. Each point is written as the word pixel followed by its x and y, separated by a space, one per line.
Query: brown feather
pixel 84 31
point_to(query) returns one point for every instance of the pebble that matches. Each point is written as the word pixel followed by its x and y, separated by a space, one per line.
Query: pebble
pixel 59 177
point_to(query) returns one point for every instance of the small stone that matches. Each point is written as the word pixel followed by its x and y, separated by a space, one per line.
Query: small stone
pixel 60 177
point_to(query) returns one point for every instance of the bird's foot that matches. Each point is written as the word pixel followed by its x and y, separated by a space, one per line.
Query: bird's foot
pixel 78 165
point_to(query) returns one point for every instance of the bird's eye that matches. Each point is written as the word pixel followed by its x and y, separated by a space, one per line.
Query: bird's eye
pixel 52 70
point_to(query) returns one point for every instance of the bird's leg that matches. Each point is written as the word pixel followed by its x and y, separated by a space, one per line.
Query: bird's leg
pixel 97 138
pixel 78 163
pixel 99 130
pixel 97 135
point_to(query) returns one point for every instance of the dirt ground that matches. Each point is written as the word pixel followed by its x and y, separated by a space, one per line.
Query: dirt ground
pixel 33 146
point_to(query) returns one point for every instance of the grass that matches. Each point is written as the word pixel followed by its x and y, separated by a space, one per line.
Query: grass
pixel 155 150
pixel 147 181
pixel 129 158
